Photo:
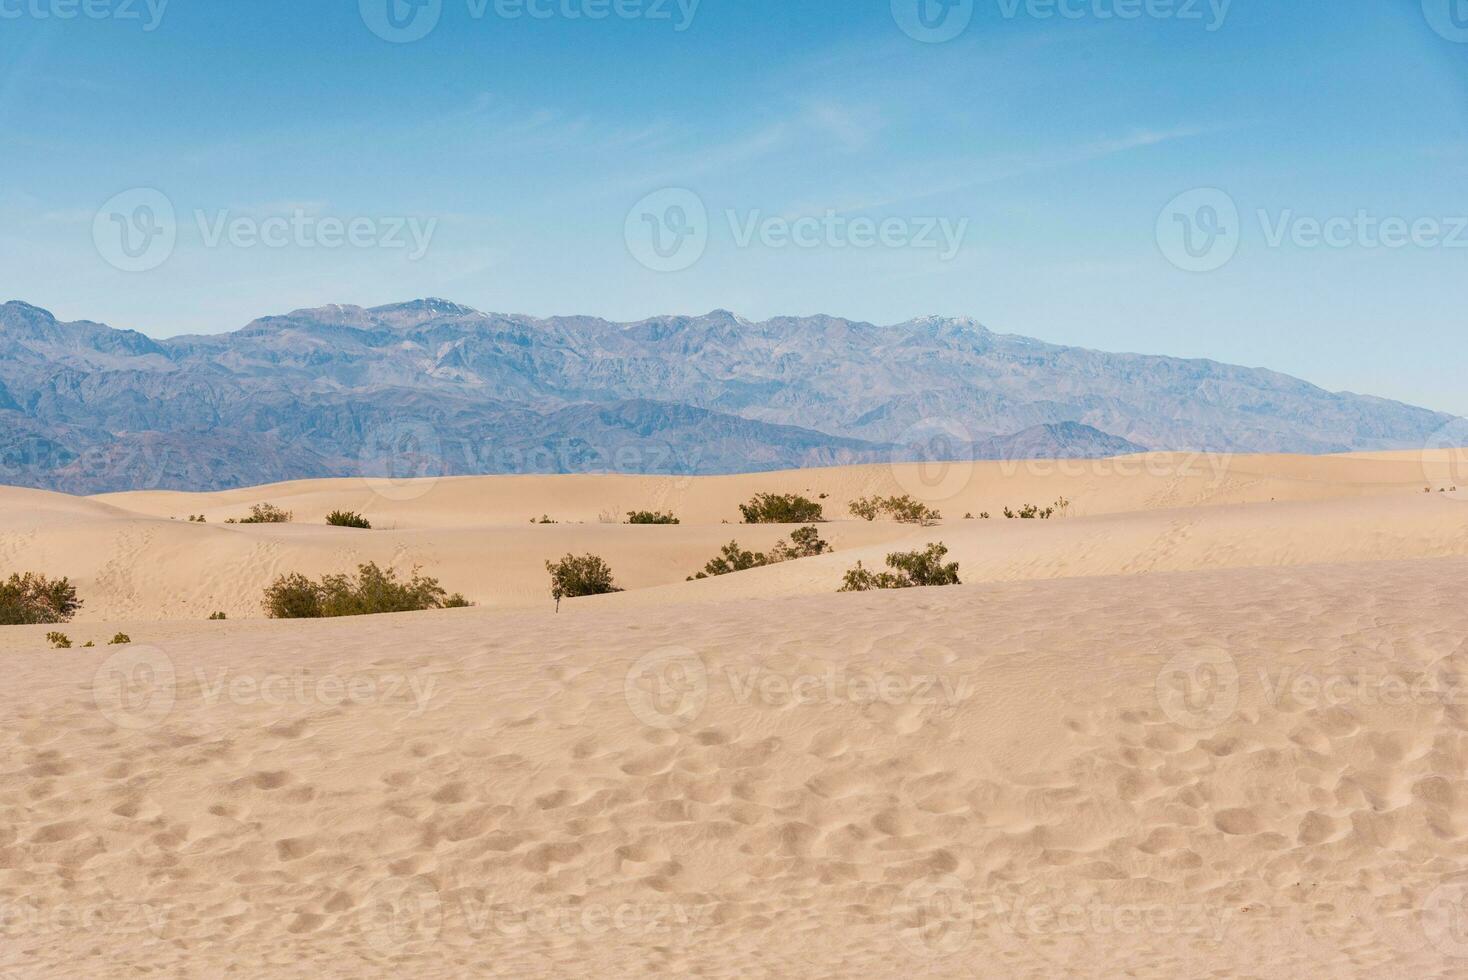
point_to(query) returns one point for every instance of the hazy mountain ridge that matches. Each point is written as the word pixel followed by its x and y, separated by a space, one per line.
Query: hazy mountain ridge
pixel 433 386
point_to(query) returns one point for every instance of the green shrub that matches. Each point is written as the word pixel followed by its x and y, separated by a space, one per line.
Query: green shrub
pixel 573 577
pixel 910 570
pixel 650 517
pixel 903 509
pixel 32 600
pixel 781 508
pixel 373 590
pixel 457 601
pixel 805 542
pixel 265 514
pixel 218 616
pixel 1030 512
pixel 58 641
pixel 119 640
pixel 544 519
pixel 732 558
pixel 348 518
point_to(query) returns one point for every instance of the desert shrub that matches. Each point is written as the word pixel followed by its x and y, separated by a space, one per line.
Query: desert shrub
pixel 781 508
pixel 1030 512
pixel 910 570
pixel 58 641
pixel 650 517
pixel 805 542
pixel 909 511
pixel 31 600
pixel 217 616
pixel 543 519
pixel 372 590
pixel 87 644
pixel 198 519
pixel 348 518
pixel 119 640
pixel 572 577
pixel 266 514
pixel 732 558
pixel 457 601
pixel 903 509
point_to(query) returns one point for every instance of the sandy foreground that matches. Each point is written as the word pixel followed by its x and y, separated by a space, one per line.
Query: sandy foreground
pixel 1211 723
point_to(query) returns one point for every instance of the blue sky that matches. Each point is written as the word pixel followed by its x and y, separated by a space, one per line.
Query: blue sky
pixel 1026 172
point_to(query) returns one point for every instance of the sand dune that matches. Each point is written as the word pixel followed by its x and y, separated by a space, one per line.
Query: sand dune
pixel 1210 723
pixel 1011 780
pixel 136 556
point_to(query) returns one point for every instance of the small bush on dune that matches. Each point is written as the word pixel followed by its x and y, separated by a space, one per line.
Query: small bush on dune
pixel 732 558
pixel 33 600
pixel 650 517
pixel 903 509
pixel 218 616
pixel 58 641
pixel 573 577
pixel 1030 512
pixel 781 508
pixel 119 640
pixel 910 570
pixel 348 518
pixel 265 514
pixel 805 542
pixel 371 591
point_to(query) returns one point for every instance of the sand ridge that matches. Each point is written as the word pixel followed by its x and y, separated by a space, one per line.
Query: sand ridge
pixel 1014 780
pixel 136 557
pixel 1198 726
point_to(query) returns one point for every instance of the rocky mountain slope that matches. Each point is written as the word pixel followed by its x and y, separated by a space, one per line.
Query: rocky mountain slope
pixel 432 387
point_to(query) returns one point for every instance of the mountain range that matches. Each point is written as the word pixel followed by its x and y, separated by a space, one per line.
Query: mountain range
pixel 431 387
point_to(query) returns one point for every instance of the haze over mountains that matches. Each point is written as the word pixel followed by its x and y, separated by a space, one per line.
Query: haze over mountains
pixel 431 387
